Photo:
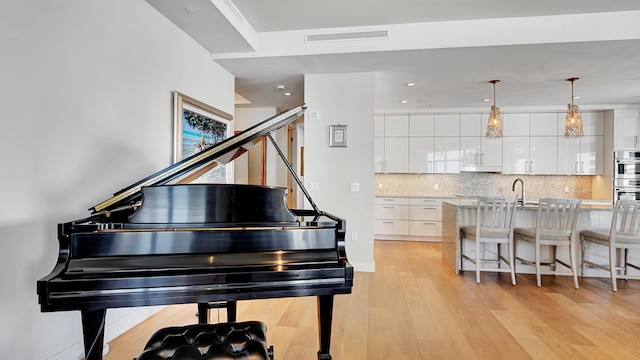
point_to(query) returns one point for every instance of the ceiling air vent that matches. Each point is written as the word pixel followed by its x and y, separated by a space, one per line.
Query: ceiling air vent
pixel 362 35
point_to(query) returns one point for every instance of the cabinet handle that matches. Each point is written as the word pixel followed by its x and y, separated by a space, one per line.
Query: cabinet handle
pixel 531 167
pixel 428 223
pixel 388 207
pixel 388 222
pixel 526 167
pixel 477 158
pixel 429 208
pixel 582 167
pixel 481 158
pixel 577 170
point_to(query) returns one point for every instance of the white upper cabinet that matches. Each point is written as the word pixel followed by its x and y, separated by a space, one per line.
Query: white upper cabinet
pixel 544 124
pixel 626 129
pixel 543 155
pixel 421 125
pixel 530 143
pixel 592 123
pixel 379 126
pixel 580 156
pixel 421 155
pixel 392 148
pixel 471 125
pixel 447 124
pixel 515 157
pixel 477 152
pixel 396 125
pixel 396 151
pixel 530 155
pixel 515 124
pixel 378 154
pixel 447 154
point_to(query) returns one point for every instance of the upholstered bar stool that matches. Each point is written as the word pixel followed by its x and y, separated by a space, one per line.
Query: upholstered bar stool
pixel 223 341
pixel 555 225
pixel 494 225
pixel 624 234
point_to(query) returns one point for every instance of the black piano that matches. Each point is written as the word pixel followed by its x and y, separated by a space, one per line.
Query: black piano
pixel 164 240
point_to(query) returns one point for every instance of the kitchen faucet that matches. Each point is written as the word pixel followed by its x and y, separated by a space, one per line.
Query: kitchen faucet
pixel 513 188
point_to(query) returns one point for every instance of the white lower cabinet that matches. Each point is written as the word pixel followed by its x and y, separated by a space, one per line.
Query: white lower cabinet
pixel 404 218
pixel 391 216
pixel 425 217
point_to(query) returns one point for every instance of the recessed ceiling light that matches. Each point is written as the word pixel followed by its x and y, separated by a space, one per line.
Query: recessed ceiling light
pixel 191 10
pixel 410 84
pixel 287 94
pixel 403 101
pixel 280 87
pixel 486 99
pixel 576 97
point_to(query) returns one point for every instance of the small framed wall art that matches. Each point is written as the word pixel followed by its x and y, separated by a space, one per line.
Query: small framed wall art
pixel 338 135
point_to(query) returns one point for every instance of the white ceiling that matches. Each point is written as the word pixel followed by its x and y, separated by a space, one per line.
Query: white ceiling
pixel 449 48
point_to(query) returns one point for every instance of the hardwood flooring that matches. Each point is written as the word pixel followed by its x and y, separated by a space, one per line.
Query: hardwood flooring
pixel 414 307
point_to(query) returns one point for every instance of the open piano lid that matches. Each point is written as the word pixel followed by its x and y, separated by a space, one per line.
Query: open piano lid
pixel 222 152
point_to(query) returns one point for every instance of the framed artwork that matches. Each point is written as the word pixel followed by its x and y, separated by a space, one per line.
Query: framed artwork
pixel 338 135
pixel 196 127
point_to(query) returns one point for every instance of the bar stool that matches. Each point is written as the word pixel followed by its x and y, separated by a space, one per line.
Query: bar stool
pixel 555 225
pixel 494 225
pixel 624 234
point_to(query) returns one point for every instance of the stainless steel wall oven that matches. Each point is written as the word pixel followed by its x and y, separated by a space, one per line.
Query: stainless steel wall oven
pixel 626 174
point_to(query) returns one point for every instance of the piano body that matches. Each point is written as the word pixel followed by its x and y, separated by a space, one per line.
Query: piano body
pixel 163 241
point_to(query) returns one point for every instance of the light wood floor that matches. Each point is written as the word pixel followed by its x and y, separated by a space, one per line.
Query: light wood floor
pixel 414 307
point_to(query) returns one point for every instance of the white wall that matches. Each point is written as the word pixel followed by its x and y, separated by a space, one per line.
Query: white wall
pixel 346 99
pixel 86 110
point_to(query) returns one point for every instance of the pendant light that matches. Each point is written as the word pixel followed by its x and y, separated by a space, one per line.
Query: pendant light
pixel 494 124
pixel 573 124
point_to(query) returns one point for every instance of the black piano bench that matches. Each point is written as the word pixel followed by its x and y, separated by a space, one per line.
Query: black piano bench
pixel 238 340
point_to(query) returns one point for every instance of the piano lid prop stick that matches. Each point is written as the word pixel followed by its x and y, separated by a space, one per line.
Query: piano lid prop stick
pixel 293 173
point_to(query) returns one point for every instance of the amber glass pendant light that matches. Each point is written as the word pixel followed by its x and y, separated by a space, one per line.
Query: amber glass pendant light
pixel 573 124
pixel 494 125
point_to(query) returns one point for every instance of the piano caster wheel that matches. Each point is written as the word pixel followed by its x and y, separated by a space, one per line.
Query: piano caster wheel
pixel 270 352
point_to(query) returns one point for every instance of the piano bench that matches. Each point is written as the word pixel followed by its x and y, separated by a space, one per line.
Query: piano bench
pixel 239 340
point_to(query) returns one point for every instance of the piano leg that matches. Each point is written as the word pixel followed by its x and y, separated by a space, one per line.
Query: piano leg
pixel 93 333
pixel 203 313
pixel 325 315
pixel 231 311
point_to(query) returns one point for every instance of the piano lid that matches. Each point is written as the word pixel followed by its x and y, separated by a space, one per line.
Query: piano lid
pixel 222 152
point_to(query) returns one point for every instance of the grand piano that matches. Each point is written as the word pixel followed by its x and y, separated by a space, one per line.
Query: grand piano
pixel 164 240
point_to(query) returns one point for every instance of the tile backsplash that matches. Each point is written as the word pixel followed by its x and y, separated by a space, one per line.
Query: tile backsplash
pixel 475 184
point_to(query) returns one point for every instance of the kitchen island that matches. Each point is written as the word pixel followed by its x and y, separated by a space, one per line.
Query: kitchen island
pixel 461 212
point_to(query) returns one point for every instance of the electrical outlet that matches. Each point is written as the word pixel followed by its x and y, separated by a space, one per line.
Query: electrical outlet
pixel 354 187
pixel 380 186
pixel 354 236
pixel 566 189
pixel 436 186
